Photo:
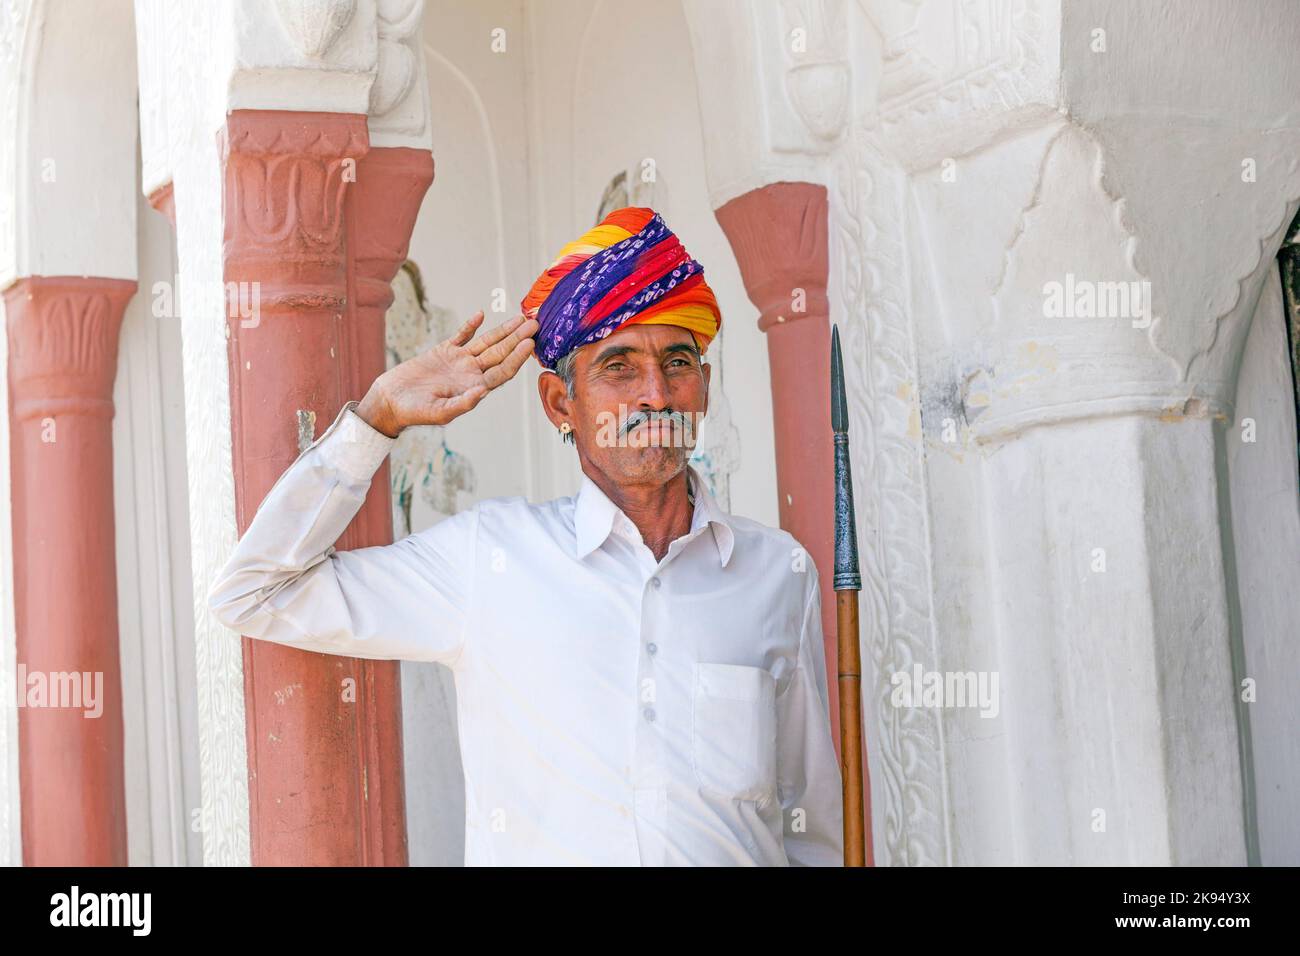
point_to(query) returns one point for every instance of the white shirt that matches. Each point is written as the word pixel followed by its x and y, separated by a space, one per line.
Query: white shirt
pixel 613 709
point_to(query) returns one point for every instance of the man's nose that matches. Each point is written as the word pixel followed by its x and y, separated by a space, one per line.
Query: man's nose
pixel 655 393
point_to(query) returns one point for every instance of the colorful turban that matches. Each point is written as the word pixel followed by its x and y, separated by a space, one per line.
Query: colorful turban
pixel 630 268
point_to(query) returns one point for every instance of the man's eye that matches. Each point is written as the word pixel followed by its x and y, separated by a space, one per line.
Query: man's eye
pixel 615 365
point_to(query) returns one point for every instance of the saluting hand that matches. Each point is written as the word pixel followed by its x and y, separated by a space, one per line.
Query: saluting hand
pixel 440 385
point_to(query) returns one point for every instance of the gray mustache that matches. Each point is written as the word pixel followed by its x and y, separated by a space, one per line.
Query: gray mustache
pixel 677 420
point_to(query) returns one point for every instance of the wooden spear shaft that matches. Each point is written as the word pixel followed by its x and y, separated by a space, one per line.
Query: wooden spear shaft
pixel 847 584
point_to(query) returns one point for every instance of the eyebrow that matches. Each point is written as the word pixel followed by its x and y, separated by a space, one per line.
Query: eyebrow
pixel 616 350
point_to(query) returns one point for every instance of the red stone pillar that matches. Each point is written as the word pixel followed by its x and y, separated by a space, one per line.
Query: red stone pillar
pixel 381 212
pixel 62 334
pixel 303 252
pixel 381 208
pixel 779 236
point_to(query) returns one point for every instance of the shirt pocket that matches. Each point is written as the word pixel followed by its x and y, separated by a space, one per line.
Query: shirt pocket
pixel 733 731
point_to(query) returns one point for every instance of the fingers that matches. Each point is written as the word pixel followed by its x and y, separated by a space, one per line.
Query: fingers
pixel 466 331
pixel 504 348
pixel 446 410
pixel 452 408
pixel 504 371
pixel 494 335
pixel 455 407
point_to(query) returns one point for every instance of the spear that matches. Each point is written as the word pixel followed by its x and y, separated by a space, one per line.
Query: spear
pixel 848 582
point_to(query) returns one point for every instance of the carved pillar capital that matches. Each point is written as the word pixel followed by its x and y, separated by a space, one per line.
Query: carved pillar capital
pixel 391 184
pixel 286 177
pixel 63 333
pixel 779 236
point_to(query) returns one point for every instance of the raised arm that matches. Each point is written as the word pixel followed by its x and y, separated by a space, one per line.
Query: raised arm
pixel 286 583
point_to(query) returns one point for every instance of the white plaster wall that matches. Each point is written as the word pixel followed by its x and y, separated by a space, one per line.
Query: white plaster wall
pixel 197 46
pixel 1265 526
pixel 155 620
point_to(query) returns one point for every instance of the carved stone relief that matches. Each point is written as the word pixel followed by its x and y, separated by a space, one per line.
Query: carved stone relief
pixel 399 99
pixel 312 26
pixel 980 59
pixel 870 280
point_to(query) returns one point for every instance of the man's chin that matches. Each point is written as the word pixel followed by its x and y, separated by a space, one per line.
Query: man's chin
pixel 642 464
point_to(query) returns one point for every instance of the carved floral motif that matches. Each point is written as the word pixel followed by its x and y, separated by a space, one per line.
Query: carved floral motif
pixel 285 183
pixel 63 334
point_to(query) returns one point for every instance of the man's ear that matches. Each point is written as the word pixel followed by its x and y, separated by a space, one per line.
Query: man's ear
pixel 708 377
pixel 555 398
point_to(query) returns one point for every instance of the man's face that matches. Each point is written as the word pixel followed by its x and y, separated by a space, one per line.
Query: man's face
pixel 638 368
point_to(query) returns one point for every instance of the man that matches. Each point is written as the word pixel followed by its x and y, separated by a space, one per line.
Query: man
pixel 639 675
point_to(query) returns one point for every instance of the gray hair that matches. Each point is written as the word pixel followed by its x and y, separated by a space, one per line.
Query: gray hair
pixel 566 368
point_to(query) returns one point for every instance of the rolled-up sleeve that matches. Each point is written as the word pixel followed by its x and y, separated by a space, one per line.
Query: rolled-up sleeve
pixel 807 767
pixel 286 583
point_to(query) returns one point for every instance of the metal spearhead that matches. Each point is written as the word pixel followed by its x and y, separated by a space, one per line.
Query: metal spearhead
pixel 847 577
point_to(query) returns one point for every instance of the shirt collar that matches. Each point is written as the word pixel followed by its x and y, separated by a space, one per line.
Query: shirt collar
pixel 594 516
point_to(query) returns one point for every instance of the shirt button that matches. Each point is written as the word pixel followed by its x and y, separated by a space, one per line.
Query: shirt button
pixel 656 582
pixel 649 714
pixel 652 648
